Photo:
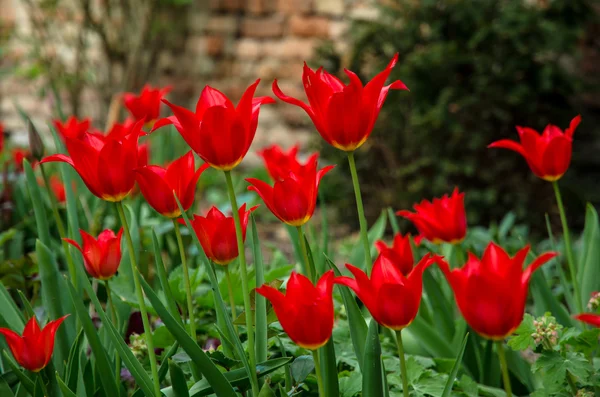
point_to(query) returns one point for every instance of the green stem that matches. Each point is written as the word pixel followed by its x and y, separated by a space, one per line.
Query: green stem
pixel 504 367
pixel 43 385
pixel 364 231
pixel 402 363
pixel 231 297
pixel 572 383
pixel 61 229
pixel 115 320
pixel 315 354
pixel 140 298
pixel 568 248
pixel 244 275
pixel 307 267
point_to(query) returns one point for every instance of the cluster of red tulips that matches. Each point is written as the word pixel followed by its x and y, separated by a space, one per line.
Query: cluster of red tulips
pixel 490 291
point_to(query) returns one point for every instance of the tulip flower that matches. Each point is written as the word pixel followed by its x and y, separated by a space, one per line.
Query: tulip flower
pixel 146 105
pixel 72 128
pixel 400 253
pixel 1 137
pixel 20 154
pixel 343 114
pixel 34 348
pixel 58 189
pixel 101 256
pixel 305 312
pixel 547 154
pixel 393 293
pixel 491 292
pixel 441 220
pixel 218 131
pixel 279 164
pixel 216 233
pixel 292 199
pixel 589 318
pixel 107 164
pixel 158 184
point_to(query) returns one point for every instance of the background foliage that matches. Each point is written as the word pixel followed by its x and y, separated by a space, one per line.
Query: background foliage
pixel 475 69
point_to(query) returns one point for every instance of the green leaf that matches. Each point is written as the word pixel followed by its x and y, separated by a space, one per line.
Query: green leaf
pixel 329 371
pixel 10 312
pixel 43 230
pixel 430 338
pixel 239 377
pixel 371 369
pixel 206 366
pixel 393 220
pixel 5 390
pixel 164 365
pixel 162 276
pixel 260 305
pixel 357 256
pixel 72 369
pixel 26 381
pixel 302 367
pixel 455 368
pixel 521 339
pixel 55 301
pixel 178 381
pixel 590 255
pixel 103 365
pixel 351 385
pixel 555 367
pixel 585 341
pixel 266 391
pixel 66 391
pixel 356 321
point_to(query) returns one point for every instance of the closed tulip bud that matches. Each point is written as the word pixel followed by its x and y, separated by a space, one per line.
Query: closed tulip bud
pixel 305 312
pixel 34 348
pixel 36 145
pixel 101 256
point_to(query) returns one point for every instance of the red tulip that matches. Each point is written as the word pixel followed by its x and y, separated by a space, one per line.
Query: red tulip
pixel 400 253
pixel 343 114
pixel 392 294
pixel 491 292
pixel 106 164
pixel 72 128
pixel 158 184
pixel 548 154
pixel 305 311
pixel 146 105
pixel 292 199
pixel 1 137
pixel 442 220
pixel 102 256
pixel 58 189
pixel 20 154
pixel 589 318
pixel 218 131
pixel 216 233
pixel 34 349
pixel 279 164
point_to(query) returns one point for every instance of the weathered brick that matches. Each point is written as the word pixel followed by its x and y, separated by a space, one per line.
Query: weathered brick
pixel 304 26
pixel 296 6
pixel 263 27
pixel 222 24
pixel 215 45
pixel 248 48
pixel 296 48
pixel 226 5
pixel 330 7
pixel 259 7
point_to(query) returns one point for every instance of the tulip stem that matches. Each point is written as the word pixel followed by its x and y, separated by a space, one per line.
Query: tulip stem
pixel 140 298
pixel 61 229
pixel 504 367
pixel 315 354
pixel 244 275
pixel 364 231
pixel 115 320
pixel 43 385
pixel 231 297
pixel 307 267
pixel 568 248
pixel 402 363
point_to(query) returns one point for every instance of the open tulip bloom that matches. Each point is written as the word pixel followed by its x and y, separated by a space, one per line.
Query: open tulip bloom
pixel 491 292
pixel 440 220
pixel 279 163
pixel 158 184
pixel 106 164
pixel 219 132
pixel 292 199
pixel 547 154
pixel 73 127
pixel 400 253
pixel 33 350
pixel 101 256
pixel 146 105
pixel 343 114
pixel 305 312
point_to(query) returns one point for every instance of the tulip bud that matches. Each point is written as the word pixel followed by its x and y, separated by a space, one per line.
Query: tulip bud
pixel 36 145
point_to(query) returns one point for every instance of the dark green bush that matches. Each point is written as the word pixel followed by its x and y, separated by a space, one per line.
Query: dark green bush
pixel 475 69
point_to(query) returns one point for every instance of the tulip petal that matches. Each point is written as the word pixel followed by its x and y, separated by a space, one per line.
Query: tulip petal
pixel 539 261
pixel 573 126
pixel 155 189
pixel 211 97
pixel 74 243
pixel 589 318
pixel 508 144
pixel 189 125
pixel 47 337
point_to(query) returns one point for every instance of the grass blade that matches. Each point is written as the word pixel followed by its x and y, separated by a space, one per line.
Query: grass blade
pixel 261 302
pixel 455 368
pixel 39 212
pixel 164 280
pixel 372 385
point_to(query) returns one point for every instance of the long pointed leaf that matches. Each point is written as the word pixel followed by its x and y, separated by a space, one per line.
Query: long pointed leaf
pixel 372 385
pixel 164 280
pixel 261 302
pixel 26 382
pixel 455 368
pixel 38 204
pixel 329 372
pixel 590 256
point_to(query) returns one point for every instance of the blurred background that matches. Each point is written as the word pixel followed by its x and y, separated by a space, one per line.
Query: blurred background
pixel 475 69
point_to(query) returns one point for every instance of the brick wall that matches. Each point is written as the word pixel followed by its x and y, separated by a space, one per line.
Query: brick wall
pixel 230 43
